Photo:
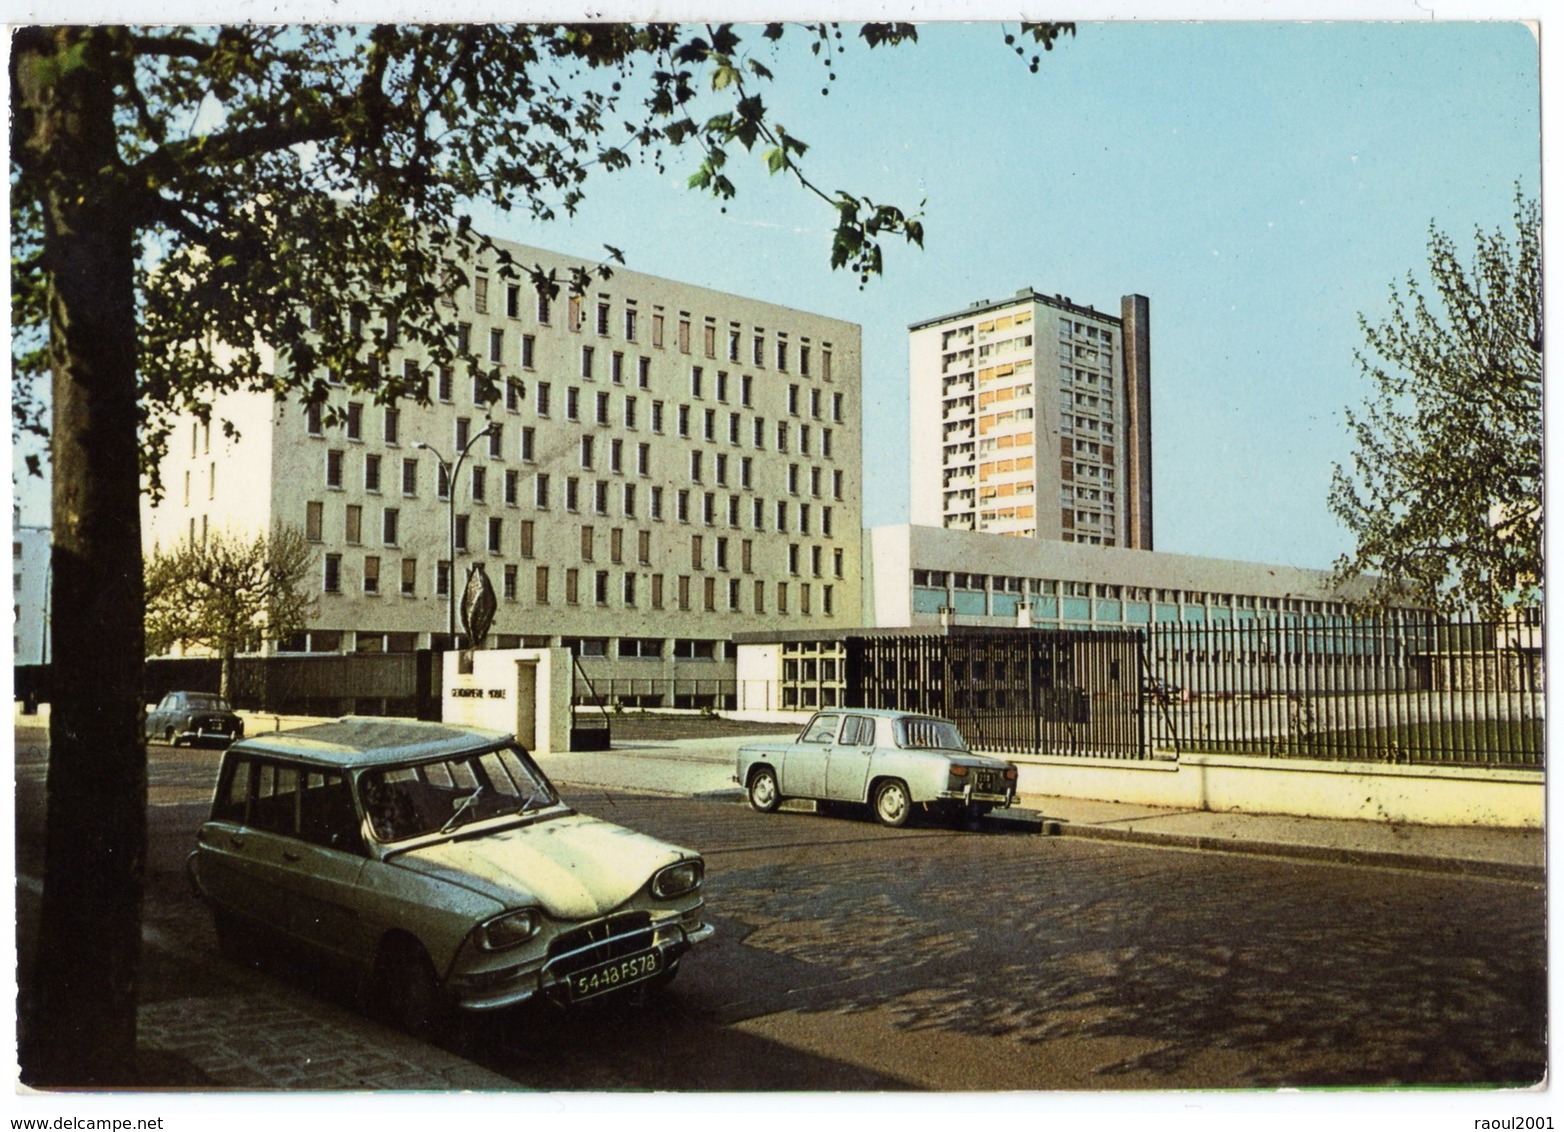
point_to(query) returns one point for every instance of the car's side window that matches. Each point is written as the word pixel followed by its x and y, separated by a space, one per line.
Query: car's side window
pixel 276 803
pixel 851 730
pixel 234 796
pixel 326 814
pixel 822 730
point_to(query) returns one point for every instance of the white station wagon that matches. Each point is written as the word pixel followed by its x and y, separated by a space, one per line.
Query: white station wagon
pixel 894 761
pixel 438 865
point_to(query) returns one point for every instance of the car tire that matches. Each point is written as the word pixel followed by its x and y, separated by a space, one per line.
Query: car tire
pixel 407 991
pixel 764 794
pixel 892 803
pixel 168 737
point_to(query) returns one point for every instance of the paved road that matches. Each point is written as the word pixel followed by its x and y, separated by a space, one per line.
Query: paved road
pixel 853 957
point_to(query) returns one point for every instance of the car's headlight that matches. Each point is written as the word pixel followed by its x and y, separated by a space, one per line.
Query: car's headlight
pixel 678 879
pixel 509 930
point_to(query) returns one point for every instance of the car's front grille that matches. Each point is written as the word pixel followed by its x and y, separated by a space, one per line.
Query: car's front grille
pixel 602 940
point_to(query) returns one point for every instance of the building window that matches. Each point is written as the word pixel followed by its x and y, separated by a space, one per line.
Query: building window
pixel 496 346
pixel 588 445
pixel 540 585
pixel 527 439
pixel 353 523
pixel 332 582
pixel 644 372
pixel 312 420
pixel 442 578
pixel 442 484
pixel 461 534
pixel 480 481
pixel 496 535
pixel 371 574
pixel 510 582
pixel 355 424
pixel 389 521
pixel 446 384
pixel 572 586
pixel 587 540
pixel 496 442
pixel 696 382
pixel 540 490
pixel 586 362
pixel 334 469
pixel 529 346
pixel 393 423
pixel 572 404
pixel 313 513
pixel 526 538
pixel 409 576
pixel 512 487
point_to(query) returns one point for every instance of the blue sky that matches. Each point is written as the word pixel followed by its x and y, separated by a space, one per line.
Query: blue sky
pixel 1262 183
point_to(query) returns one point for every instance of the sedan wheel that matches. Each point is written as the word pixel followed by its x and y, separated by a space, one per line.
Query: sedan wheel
pixel 407 990
pixel 763 792
pixel 892 803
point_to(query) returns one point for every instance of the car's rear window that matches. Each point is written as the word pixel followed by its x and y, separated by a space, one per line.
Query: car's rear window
pixel 936 734
pixel 207 703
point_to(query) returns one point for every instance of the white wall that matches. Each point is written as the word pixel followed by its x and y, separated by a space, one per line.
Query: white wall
pixel 496 695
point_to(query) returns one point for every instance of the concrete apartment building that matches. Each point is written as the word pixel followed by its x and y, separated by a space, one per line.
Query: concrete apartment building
pixel 1040 409
pixel 669 465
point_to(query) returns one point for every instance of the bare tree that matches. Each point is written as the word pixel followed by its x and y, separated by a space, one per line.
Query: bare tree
pixel 227 593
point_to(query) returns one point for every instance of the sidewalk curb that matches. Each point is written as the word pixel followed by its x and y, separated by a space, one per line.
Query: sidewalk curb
pixel 1495 870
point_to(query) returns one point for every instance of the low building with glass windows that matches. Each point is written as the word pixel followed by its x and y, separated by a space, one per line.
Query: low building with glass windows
pixel 931 580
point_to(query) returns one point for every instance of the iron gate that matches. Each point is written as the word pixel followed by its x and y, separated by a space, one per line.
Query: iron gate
pixel 1022 691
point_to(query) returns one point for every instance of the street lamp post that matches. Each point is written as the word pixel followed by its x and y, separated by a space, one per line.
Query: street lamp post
pixel 451 471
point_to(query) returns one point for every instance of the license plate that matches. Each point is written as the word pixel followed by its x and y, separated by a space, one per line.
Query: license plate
pixel 614 974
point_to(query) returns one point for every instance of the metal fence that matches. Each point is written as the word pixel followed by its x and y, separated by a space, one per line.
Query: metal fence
pixel 717 693
pixel 395 684
pixel 1015 691
pixel 1409 691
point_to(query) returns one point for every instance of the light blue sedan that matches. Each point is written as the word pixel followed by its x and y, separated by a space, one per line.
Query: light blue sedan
pixel 895 762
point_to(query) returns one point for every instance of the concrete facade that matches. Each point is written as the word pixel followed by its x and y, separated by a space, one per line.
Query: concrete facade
pixel 912 572
pixel 30 548
pixel 1040 409
pixel 670 465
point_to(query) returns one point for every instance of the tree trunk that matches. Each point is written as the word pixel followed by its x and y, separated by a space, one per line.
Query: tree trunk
pixel 79 1003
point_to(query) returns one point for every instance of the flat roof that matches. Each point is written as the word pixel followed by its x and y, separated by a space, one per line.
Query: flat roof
pixel 1025 294
pixel 368 741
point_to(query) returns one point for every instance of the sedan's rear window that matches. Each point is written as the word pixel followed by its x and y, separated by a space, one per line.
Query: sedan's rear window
pixel 206 703
pixel 935 734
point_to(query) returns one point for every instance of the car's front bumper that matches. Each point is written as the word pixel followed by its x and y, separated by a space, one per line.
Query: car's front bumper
pixel 497 987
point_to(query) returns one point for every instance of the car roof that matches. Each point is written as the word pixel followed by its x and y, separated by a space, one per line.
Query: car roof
pixel 881 713
pixel 368 741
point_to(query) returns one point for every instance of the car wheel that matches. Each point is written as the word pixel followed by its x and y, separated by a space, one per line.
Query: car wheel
pixel 407 991
pixel 892 803
pixel 763 792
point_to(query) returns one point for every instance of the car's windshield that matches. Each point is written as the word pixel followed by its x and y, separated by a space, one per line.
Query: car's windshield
pixel 207 703
pixel 410 801
pixel 938 734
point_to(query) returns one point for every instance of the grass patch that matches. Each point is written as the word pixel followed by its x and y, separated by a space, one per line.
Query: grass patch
pixel 1477 741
